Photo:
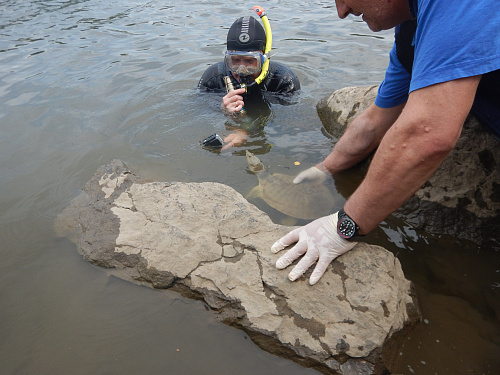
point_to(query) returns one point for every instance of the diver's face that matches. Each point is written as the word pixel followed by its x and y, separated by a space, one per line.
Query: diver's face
pixel 244 63
pixel 247 62
pixel 378 14
pixel 245 67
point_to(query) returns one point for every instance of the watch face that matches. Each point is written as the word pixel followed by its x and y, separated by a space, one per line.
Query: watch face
pixel 346 228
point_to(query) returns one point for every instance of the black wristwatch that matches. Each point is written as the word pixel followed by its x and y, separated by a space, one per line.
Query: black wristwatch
pixel 347 227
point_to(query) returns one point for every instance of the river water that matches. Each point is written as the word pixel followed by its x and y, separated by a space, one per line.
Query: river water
pixel 85 82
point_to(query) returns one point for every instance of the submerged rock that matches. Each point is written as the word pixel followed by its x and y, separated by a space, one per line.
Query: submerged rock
pixel 462 198
pixel 206 241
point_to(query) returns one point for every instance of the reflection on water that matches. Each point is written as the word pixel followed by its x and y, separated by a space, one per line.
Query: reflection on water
pixel 85 82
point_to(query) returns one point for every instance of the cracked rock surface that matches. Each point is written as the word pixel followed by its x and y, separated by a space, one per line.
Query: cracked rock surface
pixel 206 241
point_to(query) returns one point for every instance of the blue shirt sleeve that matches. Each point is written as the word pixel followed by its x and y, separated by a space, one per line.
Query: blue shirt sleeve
pixel 455 39
pixel 394 89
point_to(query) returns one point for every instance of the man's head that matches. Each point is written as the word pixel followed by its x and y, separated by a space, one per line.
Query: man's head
pixel 246 34
pixel 246 42
pixel 378 14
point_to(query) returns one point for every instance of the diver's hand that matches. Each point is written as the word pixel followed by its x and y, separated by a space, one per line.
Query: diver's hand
pixel 232 102
pixel 234 139
pixel 317 174
pixel 319 241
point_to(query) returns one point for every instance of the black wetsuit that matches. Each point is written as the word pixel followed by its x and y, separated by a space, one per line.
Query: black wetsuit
pixel 278 87
pixel 279 80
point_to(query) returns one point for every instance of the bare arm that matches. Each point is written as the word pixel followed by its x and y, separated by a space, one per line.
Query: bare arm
pixel 362 137
pixel 237 138
pixel 412 149
pixel 233 103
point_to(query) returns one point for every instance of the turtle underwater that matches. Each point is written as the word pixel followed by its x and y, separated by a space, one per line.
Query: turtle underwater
pixel 302 201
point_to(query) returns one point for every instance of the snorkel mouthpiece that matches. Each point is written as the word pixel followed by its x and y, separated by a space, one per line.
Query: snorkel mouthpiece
pixel 244 80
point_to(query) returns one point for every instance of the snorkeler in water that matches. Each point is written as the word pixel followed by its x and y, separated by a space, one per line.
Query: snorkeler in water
pixel 248 70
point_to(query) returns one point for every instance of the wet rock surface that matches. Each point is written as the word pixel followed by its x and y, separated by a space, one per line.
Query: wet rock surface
pixel 206 241
pixel 462 198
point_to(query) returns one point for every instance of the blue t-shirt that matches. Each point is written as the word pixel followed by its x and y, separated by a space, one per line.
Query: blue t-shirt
pixel 454 39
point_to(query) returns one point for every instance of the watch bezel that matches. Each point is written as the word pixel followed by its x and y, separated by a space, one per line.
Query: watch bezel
pixel 346 228
pixel 342 220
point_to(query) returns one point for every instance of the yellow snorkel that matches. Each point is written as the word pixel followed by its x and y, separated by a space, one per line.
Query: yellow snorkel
pixel 265 65
pixel 269 41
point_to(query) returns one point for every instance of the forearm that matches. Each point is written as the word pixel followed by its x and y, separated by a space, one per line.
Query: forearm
pixel 361 137
pixel 236 129
pixel 399 168
pixel 412 150
pixel 237 138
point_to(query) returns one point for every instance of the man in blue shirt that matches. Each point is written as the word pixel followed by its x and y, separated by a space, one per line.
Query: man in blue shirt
pixel 416 120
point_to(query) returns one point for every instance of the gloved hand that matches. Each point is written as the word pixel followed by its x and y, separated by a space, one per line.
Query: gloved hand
pixel 319 241
pixel 317 174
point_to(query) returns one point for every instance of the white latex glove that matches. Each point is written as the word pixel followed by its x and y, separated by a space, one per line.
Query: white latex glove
pixel 317 174
pixel 319 241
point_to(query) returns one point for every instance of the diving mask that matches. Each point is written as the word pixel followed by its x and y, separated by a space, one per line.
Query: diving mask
pixel 244 63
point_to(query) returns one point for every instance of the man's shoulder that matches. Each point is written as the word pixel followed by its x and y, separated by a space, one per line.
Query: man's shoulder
pixel 279 68
pixel 281 79
pixel 213 77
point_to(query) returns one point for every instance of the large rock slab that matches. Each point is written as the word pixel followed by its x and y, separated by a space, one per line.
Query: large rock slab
pixel 462 198
pixel 206 241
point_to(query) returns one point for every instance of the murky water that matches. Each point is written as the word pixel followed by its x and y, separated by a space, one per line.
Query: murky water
pixel 84 82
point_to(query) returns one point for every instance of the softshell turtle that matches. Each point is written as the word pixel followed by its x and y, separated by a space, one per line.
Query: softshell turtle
pixel 303 201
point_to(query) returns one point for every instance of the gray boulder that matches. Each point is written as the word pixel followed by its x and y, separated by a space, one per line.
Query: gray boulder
pixel 462 198
pixel 206 241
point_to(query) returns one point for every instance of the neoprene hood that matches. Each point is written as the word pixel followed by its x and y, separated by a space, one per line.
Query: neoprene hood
pixel 246 34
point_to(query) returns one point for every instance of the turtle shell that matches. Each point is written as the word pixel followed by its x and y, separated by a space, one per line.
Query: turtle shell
pixel 302 201
pixel 306 200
